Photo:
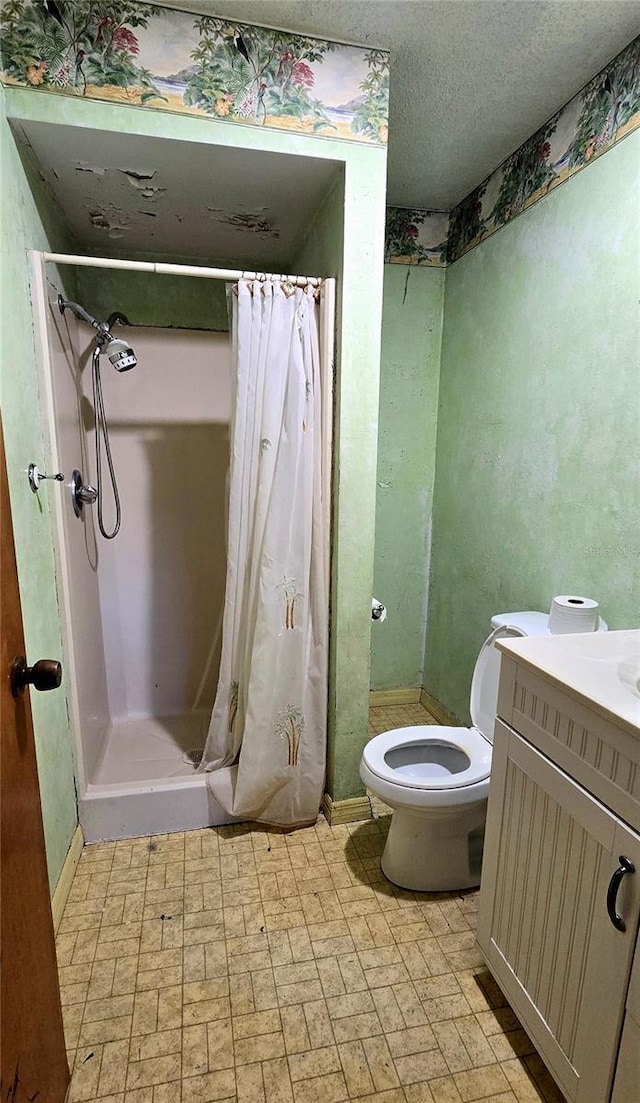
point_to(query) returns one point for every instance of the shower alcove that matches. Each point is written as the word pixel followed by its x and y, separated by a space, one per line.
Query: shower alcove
pixel 142 613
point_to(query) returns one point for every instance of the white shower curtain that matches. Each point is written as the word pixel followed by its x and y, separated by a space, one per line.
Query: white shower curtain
pixel 270 712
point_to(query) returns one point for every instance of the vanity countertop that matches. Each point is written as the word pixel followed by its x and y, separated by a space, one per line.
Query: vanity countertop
pixel 600 669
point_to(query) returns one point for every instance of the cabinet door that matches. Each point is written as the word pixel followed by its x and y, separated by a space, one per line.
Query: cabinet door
pixel 543 926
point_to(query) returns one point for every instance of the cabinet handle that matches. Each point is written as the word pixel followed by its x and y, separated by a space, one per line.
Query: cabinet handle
pixel 626 866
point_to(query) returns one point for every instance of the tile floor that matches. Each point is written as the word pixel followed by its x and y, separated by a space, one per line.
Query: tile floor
pixel 238 965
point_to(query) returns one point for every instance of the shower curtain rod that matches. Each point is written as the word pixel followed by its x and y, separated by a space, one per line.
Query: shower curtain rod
pixel 161 269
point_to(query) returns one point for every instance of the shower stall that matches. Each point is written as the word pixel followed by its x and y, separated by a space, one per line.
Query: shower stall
pixel 142 610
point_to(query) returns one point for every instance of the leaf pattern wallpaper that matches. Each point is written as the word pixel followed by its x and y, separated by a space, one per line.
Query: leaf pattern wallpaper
pixel 145 55
pixel 602 113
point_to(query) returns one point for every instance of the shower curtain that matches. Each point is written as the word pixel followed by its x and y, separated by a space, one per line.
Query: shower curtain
pixel 270 712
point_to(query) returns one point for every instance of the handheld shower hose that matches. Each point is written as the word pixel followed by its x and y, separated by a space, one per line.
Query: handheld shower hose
pixel 123 358
pixel 102 435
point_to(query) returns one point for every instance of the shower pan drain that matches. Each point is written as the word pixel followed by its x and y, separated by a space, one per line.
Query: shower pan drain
pixel 193 757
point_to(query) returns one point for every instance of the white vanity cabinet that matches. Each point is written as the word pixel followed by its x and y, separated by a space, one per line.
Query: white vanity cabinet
pixel 564 808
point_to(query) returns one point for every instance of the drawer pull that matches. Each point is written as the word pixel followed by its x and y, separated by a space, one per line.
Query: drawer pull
pixel 626 866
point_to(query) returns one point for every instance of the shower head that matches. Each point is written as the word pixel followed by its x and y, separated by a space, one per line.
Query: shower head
pixel 119 352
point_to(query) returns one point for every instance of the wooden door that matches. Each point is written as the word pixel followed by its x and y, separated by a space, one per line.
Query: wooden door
pixel 550 852
pixel 33 1061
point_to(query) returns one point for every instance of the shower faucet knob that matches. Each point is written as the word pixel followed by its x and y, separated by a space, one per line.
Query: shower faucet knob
pixel 87 494
pixel 82 494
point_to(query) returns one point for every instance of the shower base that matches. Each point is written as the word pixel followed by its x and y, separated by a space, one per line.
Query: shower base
pixel 146 781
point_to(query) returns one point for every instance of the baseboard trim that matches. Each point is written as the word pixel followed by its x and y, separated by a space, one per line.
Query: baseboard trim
pixel 346 811
pixel 380 697
pixel 438 711
pixel 63 887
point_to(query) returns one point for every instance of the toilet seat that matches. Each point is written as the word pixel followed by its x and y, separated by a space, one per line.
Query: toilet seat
pixel 446 769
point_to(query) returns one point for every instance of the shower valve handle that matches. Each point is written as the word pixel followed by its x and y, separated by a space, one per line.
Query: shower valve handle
pixel 87 494
pixel 82 494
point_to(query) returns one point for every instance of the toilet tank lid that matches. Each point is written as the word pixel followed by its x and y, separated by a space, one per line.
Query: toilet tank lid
pixel 529 622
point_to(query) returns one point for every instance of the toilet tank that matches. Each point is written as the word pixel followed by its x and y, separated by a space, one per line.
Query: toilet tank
pixel 528 622
pixel 486 674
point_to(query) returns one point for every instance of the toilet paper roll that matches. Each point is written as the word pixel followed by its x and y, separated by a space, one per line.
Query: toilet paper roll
pixel 378 610
pixel 571 613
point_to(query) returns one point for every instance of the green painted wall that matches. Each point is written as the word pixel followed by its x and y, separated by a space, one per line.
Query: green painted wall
pixel 152 300
pixel 409 378
pixel 347 240
pixel 537 473
pixel 21 229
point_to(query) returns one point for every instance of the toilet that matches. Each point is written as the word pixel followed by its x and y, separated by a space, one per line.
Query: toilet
pixel 436 780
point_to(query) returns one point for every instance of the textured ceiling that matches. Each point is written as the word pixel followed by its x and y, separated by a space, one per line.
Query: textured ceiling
pixel 470 79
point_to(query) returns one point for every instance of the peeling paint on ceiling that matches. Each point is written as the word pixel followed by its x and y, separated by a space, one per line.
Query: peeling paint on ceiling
pixel 128 195
pixel 247 221
pixel 80 167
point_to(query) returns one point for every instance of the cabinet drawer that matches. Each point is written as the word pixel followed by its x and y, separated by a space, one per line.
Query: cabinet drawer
pixel 602 757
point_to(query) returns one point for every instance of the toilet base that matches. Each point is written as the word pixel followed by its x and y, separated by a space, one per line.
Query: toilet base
pixel 435 850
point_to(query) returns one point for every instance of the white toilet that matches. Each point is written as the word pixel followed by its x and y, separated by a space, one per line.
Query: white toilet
pixel 436 779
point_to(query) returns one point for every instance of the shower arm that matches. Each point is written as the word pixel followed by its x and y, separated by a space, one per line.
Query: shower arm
pixel 103 329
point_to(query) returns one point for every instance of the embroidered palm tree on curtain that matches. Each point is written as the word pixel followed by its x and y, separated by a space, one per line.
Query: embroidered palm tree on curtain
pixel 269 716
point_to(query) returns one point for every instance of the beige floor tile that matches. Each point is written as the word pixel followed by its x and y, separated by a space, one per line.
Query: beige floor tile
pixel 330 1088
pixel 299 993
pixel 418 1093
pixel 353 1003
pixel 205 1011
pixel 259 1022
pixel 415 1039
pixel 318 1024
pixel 195 1055
pixel 444 1090
pixel 86 1074
pixel 249 1084
pixel 381 1066
pixel 389 1013
pixel 259 1048
pixel 210 1087
pixel 154 1070
pixel 513 1043
pixel 105 1030
pixel 420 1066
pixel 452 1046
pixel 355 1068
pixel 480 1083
pixel 113 1068
pixel 72 1019
pixel 276 1080
pixel 331 977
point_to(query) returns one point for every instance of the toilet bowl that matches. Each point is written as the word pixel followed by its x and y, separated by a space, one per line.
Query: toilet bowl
pixel 436 780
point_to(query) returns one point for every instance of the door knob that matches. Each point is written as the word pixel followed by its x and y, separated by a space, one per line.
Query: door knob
pixel 43 675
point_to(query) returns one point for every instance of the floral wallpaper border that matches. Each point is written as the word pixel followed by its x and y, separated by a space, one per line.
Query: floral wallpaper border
pixel 133 52
pixel 601 114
